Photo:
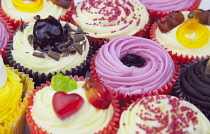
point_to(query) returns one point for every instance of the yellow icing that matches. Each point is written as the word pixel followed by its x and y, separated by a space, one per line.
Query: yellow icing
pixel 33 6
pixel 192 26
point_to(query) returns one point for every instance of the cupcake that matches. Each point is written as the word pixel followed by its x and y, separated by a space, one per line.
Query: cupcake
pixel 163 114
pixel 158 9
pixel 15 87
pixel 49 46
pixel 105 19
pixel 193 84
pixel 75 104
pixel 134 67
pixel 184 34
pixel 6 32
pixel 15 10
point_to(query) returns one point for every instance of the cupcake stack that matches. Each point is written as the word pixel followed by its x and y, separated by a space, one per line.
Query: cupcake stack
pixel 104 67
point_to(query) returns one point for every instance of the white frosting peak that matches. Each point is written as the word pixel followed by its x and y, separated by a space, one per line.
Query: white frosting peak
pixel 3 76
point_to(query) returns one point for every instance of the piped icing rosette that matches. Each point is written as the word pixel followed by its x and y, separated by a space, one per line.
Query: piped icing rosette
pixel 193 84
pixel 164 7
pixel 60 48
pixel 80 115
pixel 184 34
pixel 14 87
pixel 26 10
pixel 110 19
pixel 133 65
pixel 163 114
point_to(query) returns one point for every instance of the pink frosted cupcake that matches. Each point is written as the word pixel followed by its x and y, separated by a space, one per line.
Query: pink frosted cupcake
pixel 134 67
pixel 73 105
pixel 158 9
pixel 15 10
pixel 105 19
pixel 184 34
pixel 163 114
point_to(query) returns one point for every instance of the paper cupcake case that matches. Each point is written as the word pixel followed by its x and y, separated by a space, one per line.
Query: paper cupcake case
pixel 158 14
pixel 128 99
pixel 16 23
pixel 16 123
pixel 42 78
pixel 179 93
pixel 180 58
pixel 111 128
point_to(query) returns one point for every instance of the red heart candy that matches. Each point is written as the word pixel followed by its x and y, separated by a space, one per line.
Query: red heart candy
pixel 66 104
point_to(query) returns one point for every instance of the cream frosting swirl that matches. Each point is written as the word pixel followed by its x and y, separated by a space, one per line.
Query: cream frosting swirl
pixel 157 72
pixel 163 115
pixel 48 9
pixel 22 49
pixel 88 120
pixel 111 18
pixel 4 35
pixel 169 41
pixel 167 5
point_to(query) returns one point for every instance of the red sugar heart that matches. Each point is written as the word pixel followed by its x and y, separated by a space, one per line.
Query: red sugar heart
pixel 66 104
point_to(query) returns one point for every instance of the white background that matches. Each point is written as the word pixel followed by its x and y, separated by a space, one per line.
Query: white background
pixel 205 4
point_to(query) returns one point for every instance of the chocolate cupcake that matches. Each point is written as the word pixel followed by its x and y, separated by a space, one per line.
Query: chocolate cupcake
pixel 193 84
pixel 47 47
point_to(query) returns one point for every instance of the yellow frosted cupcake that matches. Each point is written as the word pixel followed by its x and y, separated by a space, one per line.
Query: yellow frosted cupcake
pixel 14 89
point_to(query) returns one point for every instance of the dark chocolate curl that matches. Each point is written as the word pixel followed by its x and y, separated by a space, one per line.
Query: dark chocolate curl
pixel 78 47
pixel 64 45
pixel 207 69
pixel 78 38
pixel 54 55
pixel 71 50
pixel 22 25
pixel 68 27
pixel 202 16
pixel 37 54
pixel 173 20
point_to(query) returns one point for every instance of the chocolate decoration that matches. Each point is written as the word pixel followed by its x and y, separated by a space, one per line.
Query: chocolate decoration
pixel 207 69
pixel 68 27
pixel 37 17
pixel 71 50
pixel 173 20
pixel 22 25
pixel 37 54
pixel 64 45
pixel 65 55
pixel 78 47
pixel 194 83
pixel 62 3
pixel 31 39
pixel 78 38
pixel 133 60
pixel 202 16
pixel 80 31
pixel 53 55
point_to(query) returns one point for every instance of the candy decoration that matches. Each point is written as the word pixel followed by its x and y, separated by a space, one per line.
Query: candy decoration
pixel 202 16
pixel 66 104
pixel 33 6
pixel 62 3
pixel 63 83
pixel 97 94
pixel 191 26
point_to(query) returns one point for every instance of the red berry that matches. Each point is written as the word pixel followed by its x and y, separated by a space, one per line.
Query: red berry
pixel 66 104
pixel 97 94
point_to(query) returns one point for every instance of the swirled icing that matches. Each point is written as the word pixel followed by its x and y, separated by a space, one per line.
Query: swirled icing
pixel 4 35
pixel 131 80
pixel 167 5
pixel 169 41
pixel 88 120
pixel 110 19
pixel 3 76
pixel 195 83
pixel 48 9
pixel 22 49
pixel 163 115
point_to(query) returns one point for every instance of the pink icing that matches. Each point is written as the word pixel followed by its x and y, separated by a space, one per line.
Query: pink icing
pixel 167 5
pixel 132 80
pixel 4 36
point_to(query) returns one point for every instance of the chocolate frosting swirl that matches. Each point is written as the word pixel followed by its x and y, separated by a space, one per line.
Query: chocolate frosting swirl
pixel 194 83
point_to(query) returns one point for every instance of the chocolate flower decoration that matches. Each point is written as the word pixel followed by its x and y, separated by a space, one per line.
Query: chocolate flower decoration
pixel 173 20
pixel 202 16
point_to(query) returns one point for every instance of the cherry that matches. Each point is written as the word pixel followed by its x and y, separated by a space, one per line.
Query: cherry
pixel 97 94
pixel 133 60
pixel 66 104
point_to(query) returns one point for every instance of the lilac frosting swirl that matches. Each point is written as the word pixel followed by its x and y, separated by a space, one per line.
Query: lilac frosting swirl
pixel 157 72
pixel 4 35
pixel 167 5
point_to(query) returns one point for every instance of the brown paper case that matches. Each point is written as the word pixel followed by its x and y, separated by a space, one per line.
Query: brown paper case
pixel 111 128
